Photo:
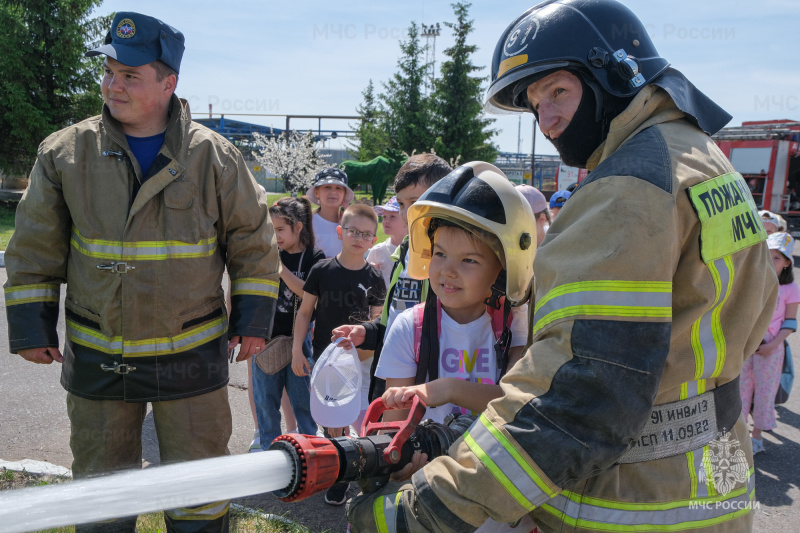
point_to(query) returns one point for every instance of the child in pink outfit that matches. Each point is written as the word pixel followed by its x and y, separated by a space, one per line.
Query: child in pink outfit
pixel 761 373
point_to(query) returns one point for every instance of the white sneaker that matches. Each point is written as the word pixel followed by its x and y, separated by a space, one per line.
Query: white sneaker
pixel 255 446
pixel 758 445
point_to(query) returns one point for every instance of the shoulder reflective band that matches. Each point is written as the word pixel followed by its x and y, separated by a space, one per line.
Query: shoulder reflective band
pixel 728 216
pixel 26 294
pixel 609 298
pixel 686 425
pixel 789 323
pixel 254 287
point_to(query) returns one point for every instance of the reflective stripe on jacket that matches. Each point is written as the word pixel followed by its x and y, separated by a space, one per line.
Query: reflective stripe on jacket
pixel 631 310
pixel 143 260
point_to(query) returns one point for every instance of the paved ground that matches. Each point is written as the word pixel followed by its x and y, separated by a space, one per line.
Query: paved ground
pixel 34 425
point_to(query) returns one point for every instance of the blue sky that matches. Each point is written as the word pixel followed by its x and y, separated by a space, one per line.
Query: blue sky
pixel 316 57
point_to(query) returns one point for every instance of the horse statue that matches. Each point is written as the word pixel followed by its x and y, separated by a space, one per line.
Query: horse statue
pixel 376 173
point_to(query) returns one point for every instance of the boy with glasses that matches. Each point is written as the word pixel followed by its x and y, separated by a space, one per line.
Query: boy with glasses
pixel 343 289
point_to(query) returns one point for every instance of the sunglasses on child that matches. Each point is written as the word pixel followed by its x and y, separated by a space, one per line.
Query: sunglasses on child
pixel 366 235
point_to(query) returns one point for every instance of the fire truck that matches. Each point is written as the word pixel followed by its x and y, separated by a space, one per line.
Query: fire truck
pixel 767 155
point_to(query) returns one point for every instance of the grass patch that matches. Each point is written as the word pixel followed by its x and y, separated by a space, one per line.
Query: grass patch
pixel 6 224
pixel 240 521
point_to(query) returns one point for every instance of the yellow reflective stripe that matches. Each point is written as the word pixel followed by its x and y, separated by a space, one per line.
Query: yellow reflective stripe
pixel 606 515
pixel 707 337
pixel 708 468
pixel 385 509
pixel 690 389
pixel 255 287
pixel 498 474
pixel 645 299
pixel 146 347
pixel 37 292
pixel 210 511
pixel 692 475
pixel 142 250
pixel 716 322
pixel 507 465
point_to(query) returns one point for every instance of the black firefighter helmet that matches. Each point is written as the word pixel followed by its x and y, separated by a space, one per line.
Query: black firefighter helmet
pixel 601 38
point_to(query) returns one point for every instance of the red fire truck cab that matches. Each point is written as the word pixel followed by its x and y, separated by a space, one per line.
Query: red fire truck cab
pixel 767 155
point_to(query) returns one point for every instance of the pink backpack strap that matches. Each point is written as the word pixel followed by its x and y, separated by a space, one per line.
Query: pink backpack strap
pixel 497 318
pixel 419 313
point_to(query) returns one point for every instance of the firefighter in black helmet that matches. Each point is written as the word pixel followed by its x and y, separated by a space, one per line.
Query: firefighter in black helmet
pixel 651 288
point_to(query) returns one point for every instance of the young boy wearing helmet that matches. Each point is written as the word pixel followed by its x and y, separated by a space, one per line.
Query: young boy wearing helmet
pixel 623 413
pixel 469 235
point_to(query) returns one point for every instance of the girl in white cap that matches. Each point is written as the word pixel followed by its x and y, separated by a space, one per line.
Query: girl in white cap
pixel 331 193
pixel 761 373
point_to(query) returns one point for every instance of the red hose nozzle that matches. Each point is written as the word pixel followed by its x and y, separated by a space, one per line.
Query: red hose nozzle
pixel 316 465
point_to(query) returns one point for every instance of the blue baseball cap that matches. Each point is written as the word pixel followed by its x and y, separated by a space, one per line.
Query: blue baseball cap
pixel 135 40
pixel 558 199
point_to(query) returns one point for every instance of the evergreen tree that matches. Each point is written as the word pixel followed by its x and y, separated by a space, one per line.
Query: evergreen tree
pixel 460 125
pixel 406 109
pixel 45 82
pixel 371 137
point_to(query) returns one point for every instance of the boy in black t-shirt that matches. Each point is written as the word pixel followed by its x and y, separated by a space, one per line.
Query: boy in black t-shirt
pixel 344 289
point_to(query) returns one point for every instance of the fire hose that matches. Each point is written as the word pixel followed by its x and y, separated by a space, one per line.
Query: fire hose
pixel 385 447
pixel 307 465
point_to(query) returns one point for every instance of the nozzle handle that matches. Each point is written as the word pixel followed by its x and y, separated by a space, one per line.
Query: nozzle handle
pixel 402 428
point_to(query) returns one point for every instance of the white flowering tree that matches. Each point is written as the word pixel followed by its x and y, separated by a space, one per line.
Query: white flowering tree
pixel 294 159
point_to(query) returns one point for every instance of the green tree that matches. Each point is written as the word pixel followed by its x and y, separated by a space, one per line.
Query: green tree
pixel 460 125
pixel 370 135
pixel 45 82
pixel 406 109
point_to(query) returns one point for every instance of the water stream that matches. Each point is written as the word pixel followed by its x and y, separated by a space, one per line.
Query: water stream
pixel 141 491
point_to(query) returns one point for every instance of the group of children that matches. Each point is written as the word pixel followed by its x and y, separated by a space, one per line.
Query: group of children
pixel 441 315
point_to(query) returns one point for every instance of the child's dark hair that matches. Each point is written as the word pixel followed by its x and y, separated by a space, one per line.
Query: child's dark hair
pixel 787 275
pixel 421 168
pixel 294 210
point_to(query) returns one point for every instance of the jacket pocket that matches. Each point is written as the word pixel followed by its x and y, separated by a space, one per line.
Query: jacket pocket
pixel 182 211
pixel 179 194
pixel 81 315
pixel 202 314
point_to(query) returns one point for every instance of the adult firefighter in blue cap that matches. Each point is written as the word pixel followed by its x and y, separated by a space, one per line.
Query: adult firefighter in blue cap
pixel 651 288
pixel 139 211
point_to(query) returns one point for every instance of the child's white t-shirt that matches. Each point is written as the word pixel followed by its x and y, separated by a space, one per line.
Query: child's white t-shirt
pixel 326 238
pixel 381 256
pixel 466 351
pixel 407 293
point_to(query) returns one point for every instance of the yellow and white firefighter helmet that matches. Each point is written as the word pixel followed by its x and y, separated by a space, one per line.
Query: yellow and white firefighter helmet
pixel 478 197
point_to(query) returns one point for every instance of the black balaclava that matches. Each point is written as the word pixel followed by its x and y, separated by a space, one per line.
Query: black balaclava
pixel 589 126
pixel 583 134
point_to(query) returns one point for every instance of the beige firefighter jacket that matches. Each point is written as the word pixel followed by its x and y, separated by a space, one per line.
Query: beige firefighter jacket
pixel 143 260
pixel 637 303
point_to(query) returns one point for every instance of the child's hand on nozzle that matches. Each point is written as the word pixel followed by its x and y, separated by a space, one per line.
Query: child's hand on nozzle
pixel 300 365
pixel 353 335
pixel 433 394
